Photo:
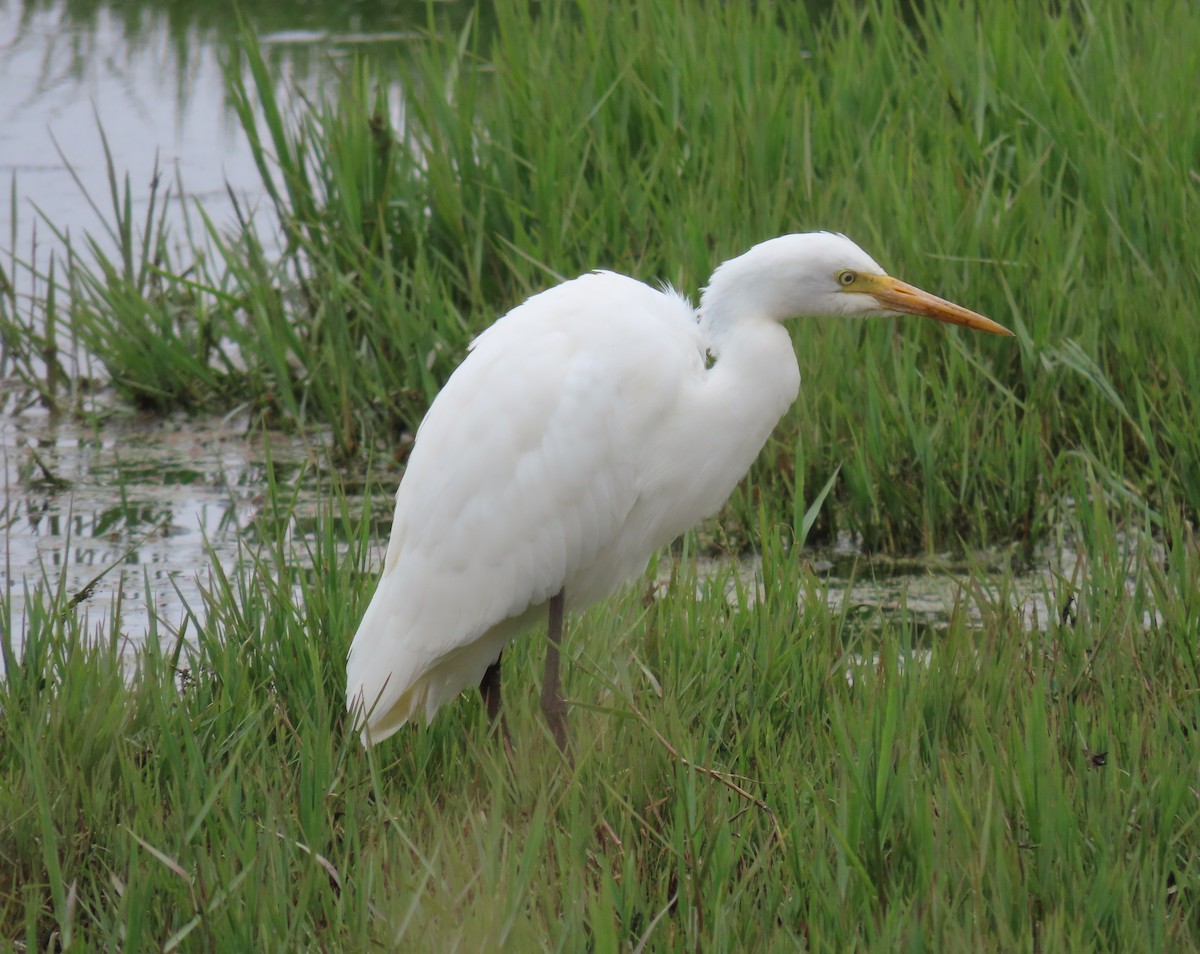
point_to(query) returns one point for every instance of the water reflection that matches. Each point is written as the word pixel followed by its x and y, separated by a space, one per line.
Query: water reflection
pixel 159 502
pixel 146 506
pixel 137 514
pixel 150 75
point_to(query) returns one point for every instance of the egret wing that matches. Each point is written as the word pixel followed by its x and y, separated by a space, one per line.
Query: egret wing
pixel 523 475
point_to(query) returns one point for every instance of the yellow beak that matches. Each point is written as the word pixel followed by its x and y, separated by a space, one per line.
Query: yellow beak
pixel 895 295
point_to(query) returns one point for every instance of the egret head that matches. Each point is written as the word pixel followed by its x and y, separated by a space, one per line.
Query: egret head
pixel 821 273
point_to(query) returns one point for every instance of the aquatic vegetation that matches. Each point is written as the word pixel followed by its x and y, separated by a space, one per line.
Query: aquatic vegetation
pixel 760 767
pixel 753 769
pixel 1037 169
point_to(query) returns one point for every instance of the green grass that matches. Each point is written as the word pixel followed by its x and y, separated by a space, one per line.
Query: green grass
pixel 755 774
pixel 1039 167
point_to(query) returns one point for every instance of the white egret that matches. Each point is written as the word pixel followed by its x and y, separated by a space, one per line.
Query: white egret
pixel 586 428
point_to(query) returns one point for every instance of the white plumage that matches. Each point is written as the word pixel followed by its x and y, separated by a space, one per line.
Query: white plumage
pixel 585 429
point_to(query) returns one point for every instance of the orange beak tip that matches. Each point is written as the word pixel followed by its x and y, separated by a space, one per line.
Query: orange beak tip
pixel 901 297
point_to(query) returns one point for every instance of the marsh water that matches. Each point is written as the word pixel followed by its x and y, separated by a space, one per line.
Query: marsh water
pixel 134 512
pixel 145 505
pixel 150 77
pixel 132 515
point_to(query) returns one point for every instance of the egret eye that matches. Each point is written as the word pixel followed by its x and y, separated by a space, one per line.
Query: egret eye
pixel 846 278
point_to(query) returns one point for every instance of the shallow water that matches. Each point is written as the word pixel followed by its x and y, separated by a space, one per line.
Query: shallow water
pixel 927 592
pixel 138 511
pixel 147 506
pixel 141 509
pixel 151 76
pixel 135 511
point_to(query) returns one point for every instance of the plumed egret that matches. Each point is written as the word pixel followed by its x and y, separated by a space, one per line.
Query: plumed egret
pixel 586 428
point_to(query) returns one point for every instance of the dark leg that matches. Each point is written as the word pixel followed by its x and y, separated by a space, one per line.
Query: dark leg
pixel 489 688
pixel 553 703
